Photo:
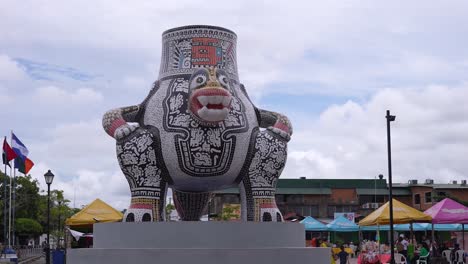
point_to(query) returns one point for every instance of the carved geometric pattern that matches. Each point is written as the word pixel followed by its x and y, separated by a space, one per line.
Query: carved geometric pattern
pixel 202 151
pixel 138 162
pixel 190 206
pixel 268 162
pixel 137 159
pixel 186 48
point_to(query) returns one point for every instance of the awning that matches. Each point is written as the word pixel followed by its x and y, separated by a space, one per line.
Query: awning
pixel 402 214
pixel 96 212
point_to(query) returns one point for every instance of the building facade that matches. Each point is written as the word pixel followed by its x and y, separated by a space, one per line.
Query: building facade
pixel 322 198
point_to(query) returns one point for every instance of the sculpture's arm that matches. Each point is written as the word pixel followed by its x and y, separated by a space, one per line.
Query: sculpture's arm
pixel 277 123
pixel 115 121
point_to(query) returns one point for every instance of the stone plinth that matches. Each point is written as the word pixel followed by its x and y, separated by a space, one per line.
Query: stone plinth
pixel 199 242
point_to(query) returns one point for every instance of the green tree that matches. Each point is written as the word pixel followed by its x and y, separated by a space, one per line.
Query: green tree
pixel 28 227
pixel 169 208
pixel 230 212
pixel 27 197
pixel 31 207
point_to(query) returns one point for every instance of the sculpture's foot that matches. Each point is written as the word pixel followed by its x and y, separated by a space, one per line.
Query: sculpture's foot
pixel 190 206
pixel 145 210
pixel 266 210
pixel 259 205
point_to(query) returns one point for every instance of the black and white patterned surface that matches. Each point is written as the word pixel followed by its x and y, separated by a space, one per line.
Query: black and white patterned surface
pixel 174 147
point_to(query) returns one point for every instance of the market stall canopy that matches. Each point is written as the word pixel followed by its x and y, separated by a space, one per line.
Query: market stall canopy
pixel 442 227
pixel 399 227
pixel 402 214
pixel 312 224
pixel 342 224
pixel 448 211
pixel 96 212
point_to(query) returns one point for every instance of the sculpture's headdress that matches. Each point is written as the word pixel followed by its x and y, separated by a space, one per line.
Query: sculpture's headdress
pixel 187 48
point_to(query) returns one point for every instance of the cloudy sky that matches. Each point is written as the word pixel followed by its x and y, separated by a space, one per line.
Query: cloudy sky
pixel 333 67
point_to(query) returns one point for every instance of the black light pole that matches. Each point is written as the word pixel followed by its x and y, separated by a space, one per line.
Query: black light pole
pixel 49 177
pixel 390 118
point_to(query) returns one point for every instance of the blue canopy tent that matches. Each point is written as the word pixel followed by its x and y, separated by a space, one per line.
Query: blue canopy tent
pixel 342 224
pixel 442 227
pixel 312 224
pixel 399 227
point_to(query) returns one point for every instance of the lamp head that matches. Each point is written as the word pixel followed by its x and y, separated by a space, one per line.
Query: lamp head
pixel 49 177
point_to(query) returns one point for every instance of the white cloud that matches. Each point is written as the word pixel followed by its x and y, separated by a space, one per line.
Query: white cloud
pixel 9 69
pixel 56 95
pixel 76 146
pixel 429 137
pixel 389 55
pixel 83 159
pixel 87 185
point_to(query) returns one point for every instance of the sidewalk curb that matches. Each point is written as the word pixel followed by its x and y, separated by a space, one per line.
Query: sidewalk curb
pixel 29 260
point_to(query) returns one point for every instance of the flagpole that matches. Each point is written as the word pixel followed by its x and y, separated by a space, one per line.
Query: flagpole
pixel 9 214
pixel 14 207
pixel 5 205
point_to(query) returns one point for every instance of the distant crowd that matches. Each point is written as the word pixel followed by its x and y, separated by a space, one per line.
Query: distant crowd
pixel 411 249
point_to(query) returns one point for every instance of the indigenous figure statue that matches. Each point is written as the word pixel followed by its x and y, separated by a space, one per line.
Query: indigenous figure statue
pixel 197 131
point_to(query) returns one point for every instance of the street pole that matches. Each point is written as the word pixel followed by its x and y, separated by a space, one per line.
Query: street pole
pixel 390 118
pixel 48 225
pixel 49 177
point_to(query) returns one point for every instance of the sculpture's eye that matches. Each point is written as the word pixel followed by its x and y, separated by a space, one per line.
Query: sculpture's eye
pixel 222 78
pixel 198 79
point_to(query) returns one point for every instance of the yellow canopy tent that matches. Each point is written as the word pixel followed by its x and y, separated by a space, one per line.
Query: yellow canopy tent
pixel 95 212
pixel 402 214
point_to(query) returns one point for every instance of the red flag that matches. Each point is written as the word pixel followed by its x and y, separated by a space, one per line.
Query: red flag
pixel 28 164
pixel 23 166
pixel 8 153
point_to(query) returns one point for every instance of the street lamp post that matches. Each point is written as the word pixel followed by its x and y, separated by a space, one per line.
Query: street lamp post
pixel 49 177
pixel 390 118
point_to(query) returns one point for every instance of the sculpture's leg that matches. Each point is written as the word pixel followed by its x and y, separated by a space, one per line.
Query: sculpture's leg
pixel 190 205
pixel 258 186
pixel 144 172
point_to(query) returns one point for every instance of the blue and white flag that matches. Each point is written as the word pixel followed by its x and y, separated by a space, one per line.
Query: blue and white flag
pixel 19 148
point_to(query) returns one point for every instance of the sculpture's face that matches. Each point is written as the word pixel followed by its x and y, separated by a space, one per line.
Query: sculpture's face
pixel 210 99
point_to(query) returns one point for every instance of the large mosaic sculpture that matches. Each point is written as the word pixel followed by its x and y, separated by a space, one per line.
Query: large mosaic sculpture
pixel 197 131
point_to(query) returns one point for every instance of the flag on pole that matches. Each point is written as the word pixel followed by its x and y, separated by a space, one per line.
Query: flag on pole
pixel 7 154
pixel 23 166
pixel 19 147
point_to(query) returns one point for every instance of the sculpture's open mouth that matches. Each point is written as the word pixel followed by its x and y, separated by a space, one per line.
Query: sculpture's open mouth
pixel 210 104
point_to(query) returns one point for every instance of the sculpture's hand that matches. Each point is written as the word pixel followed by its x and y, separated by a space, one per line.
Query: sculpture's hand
pixel 115 121
pixel 277 123
pixel 124 130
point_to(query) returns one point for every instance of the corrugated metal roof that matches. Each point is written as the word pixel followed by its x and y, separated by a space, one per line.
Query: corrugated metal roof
pixel 449 186
pixel 396 192
pixel 401 192
pixel 361 191
pixel 333 183
pixel 316 191
pixel 303 191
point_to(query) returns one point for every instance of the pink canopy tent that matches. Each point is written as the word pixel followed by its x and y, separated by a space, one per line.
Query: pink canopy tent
pixel 448 211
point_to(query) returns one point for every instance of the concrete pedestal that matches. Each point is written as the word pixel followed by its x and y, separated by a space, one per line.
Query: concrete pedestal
pixel 199 242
